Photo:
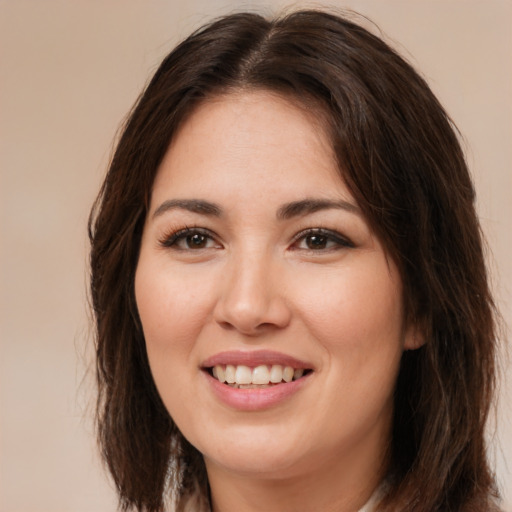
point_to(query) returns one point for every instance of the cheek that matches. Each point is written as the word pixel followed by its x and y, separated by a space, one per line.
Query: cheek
pixel 356 316
pixel 357 319
pixel 172 305
pixel 173 308
pixel 355 307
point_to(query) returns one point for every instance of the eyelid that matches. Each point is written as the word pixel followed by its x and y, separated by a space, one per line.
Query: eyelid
pixel 332 235
pixel 172 236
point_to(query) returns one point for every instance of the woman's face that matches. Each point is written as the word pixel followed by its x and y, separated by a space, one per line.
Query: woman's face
pixel 256 263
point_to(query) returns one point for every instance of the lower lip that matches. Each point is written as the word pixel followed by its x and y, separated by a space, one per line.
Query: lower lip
pixel 255 399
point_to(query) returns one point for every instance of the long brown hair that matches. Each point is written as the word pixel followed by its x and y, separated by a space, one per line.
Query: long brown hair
pixel 399 154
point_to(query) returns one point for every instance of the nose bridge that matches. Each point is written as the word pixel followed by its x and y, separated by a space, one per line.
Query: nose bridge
pixel 252 296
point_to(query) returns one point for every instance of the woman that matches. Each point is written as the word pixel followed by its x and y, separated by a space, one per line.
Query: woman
pixel 288 282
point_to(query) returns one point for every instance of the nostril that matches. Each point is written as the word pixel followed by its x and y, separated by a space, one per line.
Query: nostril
pixel 226 325
pixel 248 329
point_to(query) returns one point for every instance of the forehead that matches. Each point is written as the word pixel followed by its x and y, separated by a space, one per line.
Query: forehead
pixel 248 142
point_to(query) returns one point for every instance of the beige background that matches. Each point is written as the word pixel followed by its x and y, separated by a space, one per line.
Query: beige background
pixel 69 72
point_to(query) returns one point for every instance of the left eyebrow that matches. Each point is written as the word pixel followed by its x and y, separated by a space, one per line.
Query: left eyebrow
pixel 308 206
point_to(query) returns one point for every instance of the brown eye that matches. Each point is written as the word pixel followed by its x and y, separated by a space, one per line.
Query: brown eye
pixel 316 241
pixel 320 239
pixel 190 239
pixel 196 241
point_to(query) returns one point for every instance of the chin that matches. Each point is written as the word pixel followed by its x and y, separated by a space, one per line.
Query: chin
pixel 260 464
pixel 251 453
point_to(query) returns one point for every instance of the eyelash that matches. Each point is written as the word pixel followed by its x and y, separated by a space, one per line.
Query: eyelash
pixel 341 242
pixel 174 238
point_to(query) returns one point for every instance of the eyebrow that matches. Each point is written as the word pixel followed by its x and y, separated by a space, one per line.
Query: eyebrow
pixel 191 205
pixel 308 206
pixel 285 212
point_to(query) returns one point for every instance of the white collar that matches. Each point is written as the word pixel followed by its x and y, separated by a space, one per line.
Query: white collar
pixel 372 502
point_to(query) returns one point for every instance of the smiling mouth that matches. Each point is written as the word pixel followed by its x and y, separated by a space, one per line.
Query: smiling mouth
pixel 258 377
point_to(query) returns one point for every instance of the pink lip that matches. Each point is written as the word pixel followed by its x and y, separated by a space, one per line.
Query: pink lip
pixel 254 358
pixel 255 399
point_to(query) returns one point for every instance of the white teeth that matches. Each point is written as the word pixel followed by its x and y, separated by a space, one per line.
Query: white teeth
pixel 261 376
pixel 288 374
pixel 297 374
pixel 252 386
pixel 219 373
pixel 229 374
pixel 276 373
pixel 243 375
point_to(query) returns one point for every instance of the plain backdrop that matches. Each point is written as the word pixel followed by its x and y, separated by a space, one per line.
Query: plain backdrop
pixel 69 73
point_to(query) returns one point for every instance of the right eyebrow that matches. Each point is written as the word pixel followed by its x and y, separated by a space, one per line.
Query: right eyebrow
pixel 191 205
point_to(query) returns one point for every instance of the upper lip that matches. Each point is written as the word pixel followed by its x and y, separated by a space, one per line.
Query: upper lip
pixel 254 358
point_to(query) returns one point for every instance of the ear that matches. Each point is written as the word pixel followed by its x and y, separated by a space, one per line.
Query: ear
pixel 414 336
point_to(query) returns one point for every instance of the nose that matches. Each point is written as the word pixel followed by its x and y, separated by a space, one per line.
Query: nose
pixel 252 299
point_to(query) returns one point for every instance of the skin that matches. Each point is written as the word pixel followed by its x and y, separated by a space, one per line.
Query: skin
pixel 256 282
